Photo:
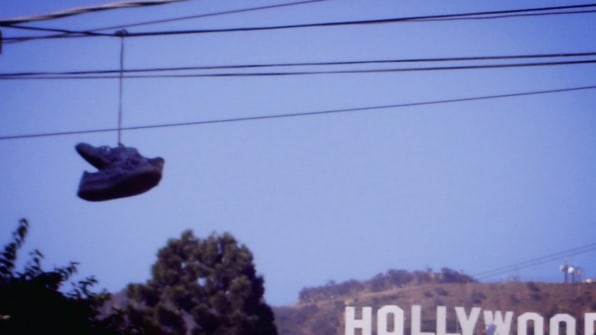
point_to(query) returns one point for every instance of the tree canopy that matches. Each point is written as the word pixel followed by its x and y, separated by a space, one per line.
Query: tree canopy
pixel 31 301
pixel 202 287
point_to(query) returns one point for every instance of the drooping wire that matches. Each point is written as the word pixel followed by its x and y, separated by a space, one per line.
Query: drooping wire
pixel 97 31
pixel 121 33
pixel 485 15
pixel 85 10
pixel 109 74
pixel 63 32
pixel 306 114
pixel 201 16
pixel 536 261
pixel 429 18
pixel 16 75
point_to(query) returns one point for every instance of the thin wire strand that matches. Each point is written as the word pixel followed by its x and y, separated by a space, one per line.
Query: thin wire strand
pixel 97 31
pixel 518 266
pixel 303 64
pixel 431 18
pixel 536 261
pixel 201 16
pixel 122 34
pixel 85 10
pixel 300 73
pixel 305 114
pixel 511 16
pixel 64 32
pixel 559 10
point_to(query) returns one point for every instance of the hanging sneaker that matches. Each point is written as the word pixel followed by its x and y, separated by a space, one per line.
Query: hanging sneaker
pixel 122 172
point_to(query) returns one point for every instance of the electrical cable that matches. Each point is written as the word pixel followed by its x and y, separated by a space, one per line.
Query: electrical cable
pixel 122 33
pixel 303 114
pixel 64 32
pixel 96 31
pixel 510 16
pixel 304 64
pixel 504 270
pixel 200 16
pixel 431 18
pixel 558 10
pixel 537 261
pixel 300 73
pixel 85 10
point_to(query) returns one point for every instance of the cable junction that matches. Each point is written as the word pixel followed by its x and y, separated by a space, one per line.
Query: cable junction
pixel 499 14
pixel 97 31
pixel 85 10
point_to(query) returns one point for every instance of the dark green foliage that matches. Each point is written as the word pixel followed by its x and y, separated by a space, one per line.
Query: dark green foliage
pixel 423 277
pixel 399 277
pixel 308 319
pixel 330 291
pixel 477 297
pixel 378 283
pixel 381 282
pixel 324 326
pixel 514 300
pixel 533 287
pixel 203 286
pixel 442 291
pixel 534 291
pixel 31 301
pixel 448 275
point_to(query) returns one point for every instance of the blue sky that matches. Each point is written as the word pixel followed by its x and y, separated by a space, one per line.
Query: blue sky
pixel 471 185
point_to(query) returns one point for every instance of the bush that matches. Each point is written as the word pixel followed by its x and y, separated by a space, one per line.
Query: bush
pixel 533 287
pixel 477 297
pixel 442 291
pixel 32 302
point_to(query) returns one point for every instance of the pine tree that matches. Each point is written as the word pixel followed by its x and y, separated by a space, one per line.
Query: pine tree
pixel 202 287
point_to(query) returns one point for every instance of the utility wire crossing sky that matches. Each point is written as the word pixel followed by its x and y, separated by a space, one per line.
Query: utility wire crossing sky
pixel 336 139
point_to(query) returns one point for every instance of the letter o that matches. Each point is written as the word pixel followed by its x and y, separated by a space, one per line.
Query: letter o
pixel 522 323
pixel 557 319
pixel 398 320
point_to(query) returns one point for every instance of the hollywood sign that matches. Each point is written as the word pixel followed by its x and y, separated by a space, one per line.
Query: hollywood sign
pixel 495 322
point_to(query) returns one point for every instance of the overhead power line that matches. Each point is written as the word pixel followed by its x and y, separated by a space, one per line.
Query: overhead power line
pixel 64 32
pixel 567 55
pixel 428 18
pixel 558 10
pixel 303 114
pixel 98 31
pixel 85 10
pixel 537 261
pixel 201 16
pixel 100 75
pixel 524 15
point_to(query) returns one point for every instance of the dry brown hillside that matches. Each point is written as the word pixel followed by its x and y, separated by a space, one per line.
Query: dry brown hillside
pixel 326 317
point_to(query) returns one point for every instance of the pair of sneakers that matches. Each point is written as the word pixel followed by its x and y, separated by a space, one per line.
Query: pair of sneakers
pixel 122 172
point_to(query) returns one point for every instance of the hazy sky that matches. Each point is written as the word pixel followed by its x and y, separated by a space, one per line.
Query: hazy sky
pixel 470 185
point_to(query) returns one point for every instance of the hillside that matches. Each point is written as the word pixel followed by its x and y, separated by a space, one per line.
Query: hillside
pixel 321 310
pixel 326 317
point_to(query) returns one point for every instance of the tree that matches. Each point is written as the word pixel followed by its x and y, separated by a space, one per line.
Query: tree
pixel 448 275
pixel 31 301
pixel 399 277
pixel 202 287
